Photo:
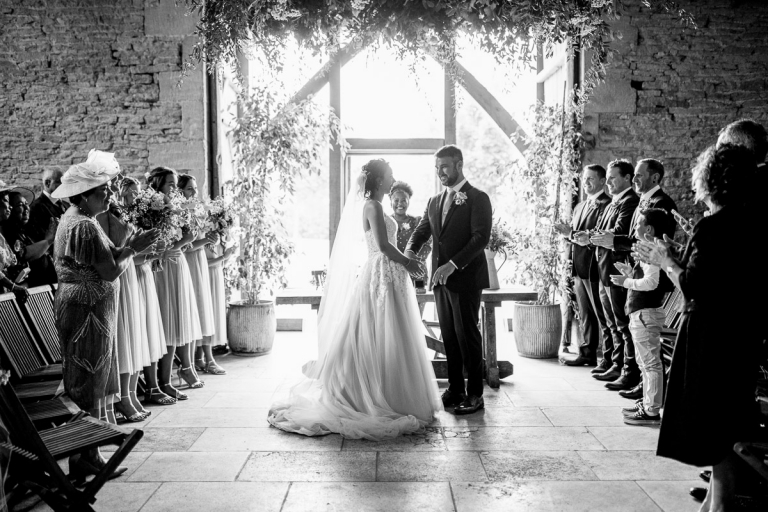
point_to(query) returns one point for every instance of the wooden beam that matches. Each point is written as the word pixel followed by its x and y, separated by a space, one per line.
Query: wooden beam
pixel 335 193
pixel 417 146
pixel 320 78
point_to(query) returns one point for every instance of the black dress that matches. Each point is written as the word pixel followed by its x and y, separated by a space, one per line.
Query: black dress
pixel 711 390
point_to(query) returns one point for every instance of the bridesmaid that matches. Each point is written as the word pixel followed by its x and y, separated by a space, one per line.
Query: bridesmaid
pixel 178 306
pixel 132 346
pixel 152 324
pixel 217 256
pixel 198 268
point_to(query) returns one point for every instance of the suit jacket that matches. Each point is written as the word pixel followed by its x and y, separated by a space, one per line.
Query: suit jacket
pixel 659 199
pixel 461 239
pixel 41 211
pixel 617 218
pixel 585 217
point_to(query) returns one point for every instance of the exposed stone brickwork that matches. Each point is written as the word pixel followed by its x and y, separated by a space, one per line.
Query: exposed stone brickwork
pixel 671 89
pixel 82 74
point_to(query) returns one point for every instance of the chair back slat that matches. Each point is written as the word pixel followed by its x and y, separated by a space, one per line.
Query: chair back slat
pixel 39 311
pixel 16 339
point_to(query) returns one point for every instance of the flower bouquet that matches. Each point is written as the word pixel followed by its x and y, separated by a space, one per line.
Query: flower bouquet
pixel 500 239
pixel 217 217
pixel 153 210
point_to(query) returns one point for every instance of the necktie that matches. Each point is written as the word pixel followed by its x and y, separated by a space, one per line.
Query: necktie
pixel 447 203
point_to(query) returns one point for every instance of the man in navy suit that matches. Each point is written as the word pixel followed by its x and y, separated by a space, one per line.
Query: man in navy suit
pixel 619 356
pixel 585 279
pixel 459 221
pixel 44 208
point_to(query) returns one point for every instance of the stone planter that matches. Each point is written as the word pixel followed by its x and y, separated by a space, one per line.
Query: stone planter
pixel 536 329
pixel 493 276
pixel 251 328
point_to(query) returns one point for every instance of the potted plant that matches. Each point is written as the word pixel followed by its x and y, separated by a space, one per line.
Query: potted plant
pixel 497 244
pixel 538 257
pixel 274 143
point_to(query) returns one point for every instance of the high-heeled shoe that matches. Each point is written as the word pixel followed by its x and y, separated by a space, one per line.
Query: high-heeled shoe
pixel 140 408
pixel 214 369
pixel 158 398
pixel 133 418
pixel 194 384
pixel 177 395
pixel 80 470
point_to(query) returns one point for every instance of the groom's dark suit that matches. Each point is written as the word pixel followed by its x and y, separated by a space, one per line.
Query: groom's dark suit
pixel 461 238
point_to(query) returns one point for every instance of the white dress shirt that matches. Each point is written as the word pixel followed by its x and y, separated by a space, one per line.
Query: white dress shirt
pixel 621 194
pixel 648 282
pixel 647 195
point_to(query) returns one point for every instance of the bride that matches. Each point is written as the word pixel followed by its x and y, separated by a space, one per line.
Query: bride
pixel 372 379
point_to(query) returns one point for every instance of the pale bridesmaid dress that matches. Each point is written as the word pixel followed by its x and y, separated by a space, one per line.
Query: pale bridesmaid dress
pixel 198 270
pixel 218 295
pixel 176 297
pixel 153 323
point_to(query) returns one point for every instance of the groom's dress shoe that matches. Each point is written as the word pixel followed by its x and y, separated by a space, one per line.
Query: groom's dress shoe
pixel 613 373
pixel 602 367
pixel 451 399
pixel 634 393
pixel 469 405
pixel 581 361
pixel 623 382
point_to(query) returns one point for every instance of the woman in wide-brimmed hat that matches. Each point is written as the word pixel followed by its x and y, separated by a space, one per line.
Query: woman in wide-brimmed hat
pixel 88 266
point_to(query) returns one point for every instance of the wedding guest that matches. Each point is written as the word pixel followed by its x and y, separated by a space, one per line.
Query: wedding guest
pixel 34 255
pixel 130 334
pixel 176 294
pixel 715 315
pixel 752 135
pixel 152 323
pixel 616 220
pixel 198 270
pixel 86 302
pixel 647 287
pixel 217 256
pixel 45 207
pixel 585 276
pixel 400 200
pixel 7 256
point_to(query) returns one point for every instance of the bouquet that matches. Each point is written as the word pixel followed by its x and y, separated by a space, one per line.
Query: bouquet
pixel 153 210
pixel 217 216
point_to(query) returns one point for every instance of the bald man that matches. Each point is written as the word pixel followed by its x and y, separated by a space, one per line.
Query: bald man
pixel 44 207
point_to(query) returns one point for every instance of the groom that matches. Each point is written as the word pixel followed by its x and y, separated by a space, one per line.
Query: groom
pixel 459 221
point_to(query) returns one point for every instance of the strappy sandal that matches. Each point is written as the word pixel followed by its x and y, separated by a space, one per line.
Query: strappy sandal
pixel 199 368
pixel 140 408
pixel 196 384
pixel 163 399
pixel 214 369
pixel 133 418
pixel 177 395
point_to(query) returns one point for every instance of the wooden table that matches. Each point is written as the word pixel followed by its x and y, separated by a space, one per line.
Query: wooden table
pixel 490 300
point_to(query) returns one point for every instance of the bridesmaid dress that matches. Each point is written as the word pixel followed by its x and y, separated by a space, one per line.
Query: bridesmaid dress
pixel 198 270
pixel 178 307
pixel 153 323
pixel 219 296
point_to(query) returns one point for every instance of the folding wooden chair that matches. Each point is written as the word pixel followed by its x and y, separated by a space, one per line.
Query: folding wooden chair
pixel 39 312
pixel 34 464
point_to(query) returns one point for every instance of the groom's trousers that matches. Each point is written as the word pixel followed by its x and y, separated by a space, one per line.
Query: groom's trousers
pixel 458 314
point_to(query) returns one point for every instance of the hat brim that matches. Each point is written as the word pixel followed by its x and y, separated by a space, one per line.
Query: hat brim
pixel 25 193
pixel 67 190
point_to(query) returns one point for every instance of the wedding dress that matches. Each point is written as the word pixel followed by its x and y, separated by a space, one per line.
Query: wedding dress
pixel 373 379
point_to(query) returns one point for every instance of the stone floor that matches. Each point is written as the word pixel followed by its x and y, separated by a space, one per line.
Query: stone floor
pixel 551 438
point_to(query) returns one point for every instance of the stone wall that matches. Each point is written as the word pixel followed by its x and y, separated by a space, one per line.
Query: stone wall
pixel 82 74
pixel 670 89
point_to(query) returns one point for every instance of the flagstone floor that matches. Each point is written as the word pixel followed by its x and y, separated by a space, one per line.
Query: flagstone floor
pixel 551 438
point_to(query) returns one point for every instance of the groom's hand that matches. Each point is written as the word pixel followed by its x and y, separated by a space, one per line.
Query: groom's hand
pixel 442 273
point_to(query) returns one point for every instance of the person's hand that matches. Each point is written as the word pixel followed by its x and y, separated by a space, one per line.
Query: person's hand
pixel 652 253
pixel 563 229
pixel 625 269
pixel 618 280
pixel 581 238
pixel 144 240
pixel 230 251
pixel 671 244
pixel 603 239
pixel 414 268
pixel 442 273
pixel 21 293
pixel 212 237
pixel 50 232
pixel 411 255
pixel 172 254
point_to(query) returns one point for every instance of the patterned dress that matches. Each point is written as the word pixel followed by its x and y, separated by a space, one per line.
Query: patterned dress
pixel 86 310
pixel 7 258
pixel 404 231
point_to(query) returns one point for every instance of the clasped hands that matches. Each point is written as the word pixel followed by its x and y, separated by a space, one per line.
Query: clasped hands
pixel 578 237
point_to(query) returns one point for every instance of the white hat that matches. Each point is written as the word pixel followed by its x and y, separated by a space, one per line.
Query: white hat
pixel 97 170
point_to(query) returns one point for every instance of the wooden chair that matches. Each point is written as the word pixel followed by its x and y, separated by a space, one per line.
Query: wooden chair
pixel 34 465
pixel 39 313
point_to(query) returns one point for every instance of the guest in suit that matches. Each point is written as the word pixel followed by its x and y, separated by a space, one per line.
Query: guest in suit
pixel 710 396
pixel 585 277
pixel 623 372
pixel 459 222
pixel 46 207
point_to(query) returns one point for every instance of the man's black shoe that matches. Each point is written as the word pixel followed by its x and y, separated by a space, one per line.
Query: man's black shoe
pixel 634 393
pixel 705 475
pixel 581 361
pixel 452 399
pixel 469 405
pixel 602 367
pixel 698 493
pixel 613 373
pixel 623 382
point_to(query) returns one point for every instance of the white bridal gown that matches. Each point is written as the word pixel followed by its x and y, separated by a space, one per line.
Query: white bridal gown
pixel 375 381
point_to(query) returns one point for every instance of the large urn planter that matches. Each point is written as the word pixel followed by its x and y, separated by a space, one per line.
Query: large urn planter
pixel 537 329
pixel 493 276
pixel 251 328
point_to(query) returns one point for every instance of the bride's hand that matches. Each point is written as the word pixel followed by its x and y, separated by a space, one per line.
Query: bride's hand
pixel 414 268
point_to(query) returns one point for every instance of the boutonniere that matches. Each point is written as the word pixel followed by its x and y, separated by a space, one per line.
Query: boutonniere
pixel 406 226
pixel 460 198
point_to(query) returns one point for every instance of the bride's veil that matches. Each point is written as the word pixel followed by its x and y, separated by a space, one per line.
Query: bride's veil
pixel 347 257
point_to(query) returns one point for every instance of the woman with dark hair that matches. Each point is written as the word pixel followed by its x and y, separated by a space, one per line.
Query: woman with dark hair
pixel 176 294
pixel 85 307
pixel 711 388
pixel 372 379
pixel 7 255
pixel 400 199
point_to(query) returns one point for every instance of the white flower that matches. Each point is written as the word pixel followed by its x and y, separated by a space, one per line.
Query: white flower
pixel 460 198
pixel 406 226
